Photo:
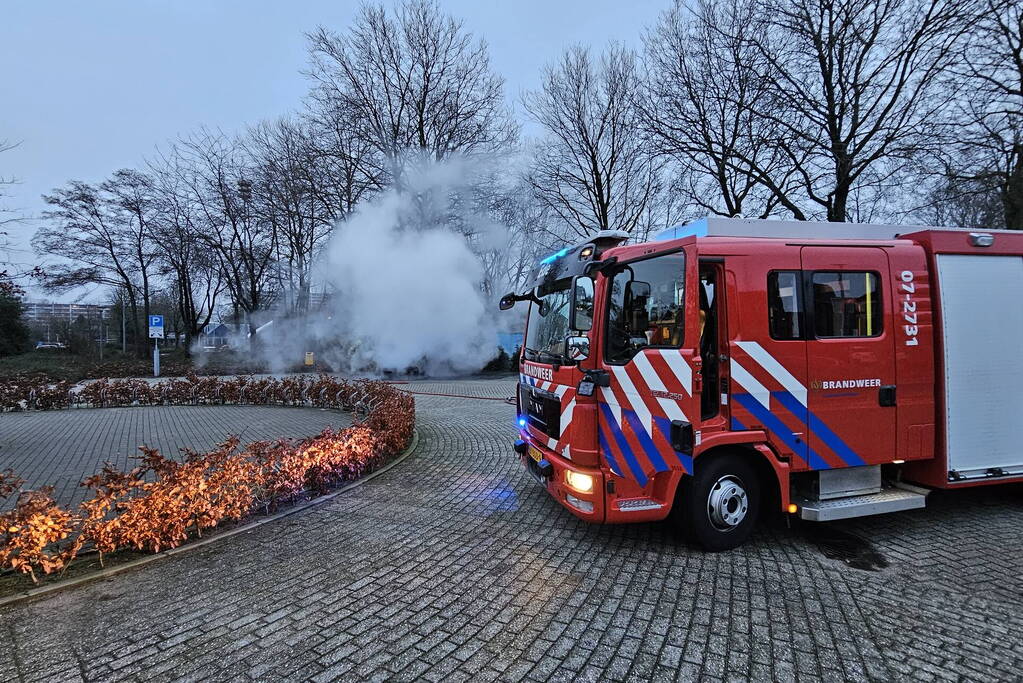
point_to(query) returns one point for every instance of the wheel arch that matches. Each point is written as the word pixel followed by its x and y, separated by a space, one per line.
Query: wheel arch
pixel 772 472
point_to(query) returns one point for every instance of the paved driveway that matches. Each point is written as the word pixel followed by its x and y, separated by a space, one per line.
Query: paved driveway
pixel 454 565
pixel 61 448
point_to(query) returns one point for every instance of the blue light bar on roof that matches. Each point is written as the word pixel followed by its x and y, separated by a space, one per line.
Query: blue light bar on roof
pixel 555 256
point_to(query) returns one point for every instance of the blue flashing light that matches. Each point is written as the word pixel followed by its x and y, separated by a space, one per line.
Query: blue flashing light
pixel 555 256
pixel 522 422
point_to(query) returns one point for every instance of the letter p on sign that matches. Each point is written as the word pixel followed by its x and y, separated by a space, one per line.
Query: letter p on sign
pixel 156 327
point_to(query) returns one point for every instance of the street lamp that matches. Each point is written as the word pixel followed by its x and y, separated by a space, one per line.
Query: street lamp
pixel 245 192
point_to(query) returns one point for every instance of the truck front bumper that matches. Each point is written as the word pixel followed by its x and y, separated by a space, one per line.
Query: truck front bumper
pixel 580 489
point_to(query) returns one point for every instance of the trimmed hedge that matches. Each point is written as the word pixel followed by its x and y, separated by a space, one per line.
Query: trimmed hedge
pixel 161 502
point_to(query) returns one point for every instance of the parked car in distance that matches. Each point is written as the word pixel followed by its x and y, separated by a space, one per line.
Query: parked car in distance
pixel 50 345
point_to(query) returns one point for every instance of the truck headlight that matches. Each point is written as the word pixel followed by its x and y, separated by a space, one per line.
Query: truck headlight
pixel 583 483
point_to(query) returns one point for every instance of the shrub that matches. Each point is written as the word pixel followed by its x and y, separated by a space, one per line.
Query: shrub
pixel 159 503
pixel 499 363
pixel 31 532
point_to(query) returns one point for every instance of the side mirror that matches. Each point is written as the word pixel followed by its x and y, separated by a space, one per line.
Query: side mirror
pixel 577 348
pixel 507 301
pixel 581 312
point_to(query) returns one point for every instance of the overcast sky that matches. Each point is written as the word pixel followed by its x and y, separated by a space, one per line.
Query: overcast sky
pixel 90 87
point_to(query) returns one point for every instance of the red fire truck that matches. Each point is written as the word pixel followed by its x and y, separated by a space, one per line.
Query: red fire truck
pixel 733 366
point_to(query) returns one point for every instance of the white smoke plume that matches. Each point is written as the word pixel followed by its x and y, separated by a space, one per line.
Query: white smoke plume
pixel 403 277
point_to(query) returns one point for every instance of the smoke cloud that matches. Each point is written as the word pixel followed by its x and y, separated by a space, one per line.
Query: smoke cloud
pixel 404 284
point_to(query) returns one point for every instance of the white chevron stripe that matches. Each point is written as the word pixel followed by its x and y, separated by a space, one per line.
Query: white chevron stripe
pixel 612 403
pixel 566 415
pixel 743 377
pixel 682 371
pixel 775 369
pixel 670 407
pixel 645 418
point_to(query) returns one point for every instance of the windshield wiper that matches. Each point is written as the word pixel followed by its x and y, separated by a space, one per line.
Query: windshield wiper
pixel 555 358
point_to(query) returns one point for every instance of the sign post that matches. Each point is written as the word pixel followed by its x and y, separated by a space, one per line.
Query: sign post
pixel 155 333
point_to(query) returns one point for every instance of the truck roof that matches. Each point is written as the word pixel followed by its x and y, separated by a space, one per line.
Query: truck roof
pixel 798 230
pixel 740 231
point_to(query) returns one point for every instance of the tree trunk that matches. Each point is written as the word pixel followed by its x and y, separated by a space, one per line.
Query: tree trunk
pixel 140 342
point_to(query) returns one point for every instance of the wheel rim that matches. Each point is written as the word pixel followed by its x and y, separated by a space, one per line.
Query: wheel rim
pixel 727 503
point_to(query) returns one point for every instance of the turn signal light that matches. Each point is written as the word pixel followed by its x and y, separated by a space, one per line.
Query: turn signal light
pixel 793 508
pixel 583 483
pixel 581 505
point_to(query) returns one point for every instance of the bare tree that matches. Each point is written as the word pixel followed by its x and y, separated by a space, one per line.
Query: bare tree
pixel 593 169
pixel 699 109
pixel 5 181
pixel 132 200
pixel 961 202
pixel 345 162
pixel 286 176
pixel 414 83
pixel 97 241
pixel 194 271
pixel 534 231
pixel 860 88
pixel 14 333
pixel 8 217
pixel 310 173
pixel 219 180
pixel 987 136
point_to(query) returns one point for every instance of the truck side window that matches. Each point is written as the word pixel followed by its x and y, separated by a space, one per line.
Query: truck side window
pixel 784 304
pixel 846 304
pixel 646 306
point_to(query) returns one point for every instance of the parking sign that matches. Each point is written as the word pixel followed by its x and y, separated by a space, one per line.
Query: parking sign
pixel 156 327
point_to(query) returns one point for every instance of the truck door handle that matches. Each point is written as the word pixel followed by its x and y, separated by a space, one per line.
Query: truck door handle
pixel 886 396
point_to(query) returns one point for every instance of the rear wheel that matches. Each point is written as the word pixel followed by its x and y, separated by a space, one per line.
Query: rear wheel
pixel 719 505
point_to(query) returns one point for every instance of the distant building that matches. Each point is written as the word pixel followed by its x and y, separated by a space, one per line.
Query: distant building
pixel 51 321
pixel 215 335
pixel 43 311
pixel 317 300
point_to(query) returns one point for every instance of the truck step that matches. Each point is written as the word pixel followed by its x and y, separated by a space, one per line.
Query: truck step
pixel 637 504
pixel 887 500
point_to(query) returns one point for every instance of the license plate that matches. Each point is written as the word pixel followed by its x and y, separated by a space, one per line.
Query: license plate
pixel 535 454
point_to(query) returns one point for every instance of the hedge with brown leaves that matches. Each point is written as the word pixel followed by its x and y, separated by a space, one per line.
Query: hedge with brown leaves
pixel 161 502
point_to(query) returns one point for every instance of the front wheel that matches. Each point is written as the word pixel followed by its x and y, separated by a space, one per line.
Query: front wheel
pixel 718 506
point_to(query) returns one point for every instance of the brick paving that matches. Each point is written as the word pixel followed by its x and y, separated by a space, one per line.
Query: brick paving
pixel 61 448
pixel 456 566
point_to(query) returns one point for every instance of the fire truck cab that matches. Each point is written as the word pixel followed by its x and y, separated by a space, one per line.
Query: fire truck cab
pixel 734 366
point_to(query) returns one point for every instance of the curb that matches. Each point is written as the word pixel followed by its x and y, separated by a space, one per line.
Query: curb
pixel 111 571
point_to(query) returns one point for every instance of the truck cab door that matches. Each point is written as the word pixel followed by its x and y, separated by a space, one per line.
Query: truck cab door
pixel 767 364
pixel 646 355
pixel 850 351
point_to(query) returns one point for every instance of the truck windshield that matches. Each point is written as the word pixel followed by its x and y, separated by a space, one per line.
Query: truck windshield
pixel 547 325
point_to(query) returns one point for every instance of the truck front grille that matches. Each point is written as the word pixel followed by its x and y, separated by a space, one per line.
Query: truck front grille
pixel 542 409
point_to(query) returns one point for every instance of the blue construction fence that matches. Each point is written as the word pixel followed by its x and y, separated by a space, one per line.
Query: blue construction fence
pixel 509 341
